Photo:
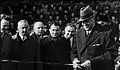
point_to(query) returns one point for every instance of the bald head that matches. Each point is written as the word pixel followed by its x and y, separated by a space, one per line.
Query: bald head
pixel 38 28
pixel 23 27
pixel 4 25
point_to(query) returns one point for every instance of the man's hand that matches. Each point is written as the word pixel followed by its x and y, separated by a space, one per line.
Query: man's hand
pixel 117 65
pixel 86 63
pixel 75 63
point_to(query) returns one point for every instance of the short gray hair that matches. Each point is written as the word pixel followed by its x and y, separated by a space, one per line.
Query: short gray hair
pixel 22 21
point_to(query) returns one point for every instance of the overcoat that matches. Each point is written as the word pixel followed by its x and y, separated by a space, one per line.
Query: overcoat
pixel 5 44
pixel 56 53
pixel 24 52
pixel 38 41
pixel 98 47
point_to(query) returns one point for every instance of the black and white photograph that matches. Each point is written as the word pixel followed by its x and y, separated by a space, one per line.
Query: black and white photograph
pixel 59 35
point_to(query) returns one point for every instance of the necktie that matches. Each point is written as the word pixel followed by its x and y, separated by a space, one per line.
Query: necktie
pixel 87 34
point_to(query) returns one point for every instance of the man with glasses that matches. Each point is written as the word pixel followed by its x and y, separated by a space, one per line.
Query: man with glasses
pixel 93 48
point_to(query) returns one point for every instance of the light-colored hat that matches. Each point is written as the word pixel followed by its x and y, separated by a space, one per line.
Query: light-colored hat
pixel 86 13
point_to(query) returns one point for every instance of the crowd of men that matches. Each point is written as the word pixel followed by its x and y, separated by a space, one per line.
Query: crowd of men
pixel 82 45
pixel 60 12
pixel 36 46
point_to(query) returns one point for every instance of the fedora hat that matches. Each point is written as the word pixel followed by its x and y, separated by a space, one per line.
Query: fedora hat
pixel 86 13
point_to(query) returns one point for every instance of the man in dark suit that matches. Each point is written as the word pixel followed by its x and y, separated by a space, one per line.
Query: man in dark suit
pixel 69 33
pixel 94 48
pixel 5 37
pixel 5 44
pixel 24 48
pixel 56 50
pixel 38 35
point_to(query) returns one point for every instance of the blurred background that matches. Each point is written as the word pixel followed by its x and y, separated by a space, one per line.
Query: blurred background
pixel 59 11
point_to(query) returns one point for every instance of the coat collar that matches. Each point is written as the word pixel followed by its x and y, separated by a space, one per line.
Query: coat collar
pixel 54 39
pixel 33 35
pixel 92 37
pixel 17 37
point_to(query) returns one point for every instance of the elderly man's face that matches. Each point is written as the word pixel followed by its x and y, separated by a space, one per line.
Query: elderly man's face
pixel 39 28
pixel 5 26
pixel 23 28
pixel 69 31
pixel 54 31
pixel 88 24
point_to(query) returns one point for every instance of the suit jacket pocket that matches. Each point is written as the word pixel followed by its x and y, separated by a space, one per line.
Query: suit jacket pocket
pixel 95 50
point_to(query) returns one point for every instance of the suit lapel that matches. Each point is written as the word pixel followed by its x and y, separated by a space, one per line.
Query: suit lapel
pixel 34 36
pixel 80 39
pixel 93 36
